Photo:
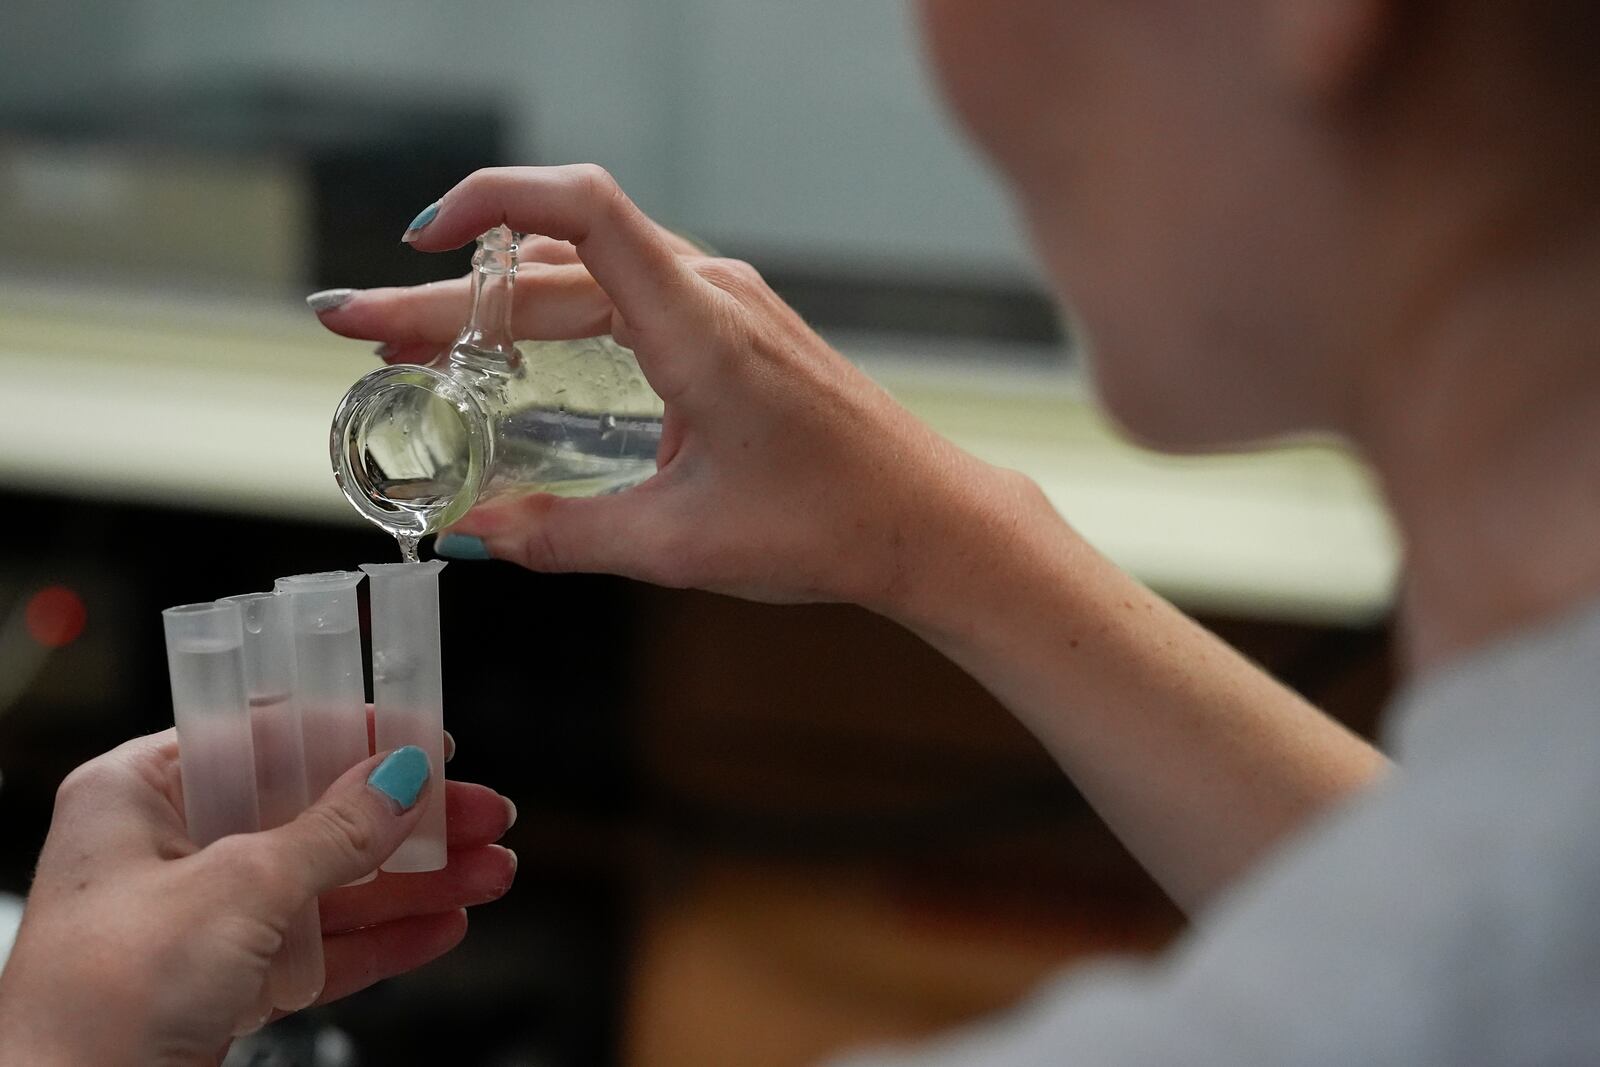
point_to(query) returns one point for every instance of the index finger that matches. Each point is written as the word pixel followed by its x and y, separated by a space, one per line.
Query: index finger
pixel 582 205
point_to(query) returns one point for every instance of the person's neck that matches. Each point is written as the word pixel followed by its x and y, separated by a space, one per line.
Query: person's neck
pixel 1485 429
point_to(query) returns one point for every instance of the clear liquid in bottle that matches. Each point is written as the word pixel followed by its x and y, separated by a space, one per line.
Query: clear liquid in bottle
pixel 415 447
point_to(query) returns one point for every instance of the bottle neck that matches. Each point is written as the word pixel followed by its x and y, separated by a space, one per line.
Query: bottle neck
pixel 486 341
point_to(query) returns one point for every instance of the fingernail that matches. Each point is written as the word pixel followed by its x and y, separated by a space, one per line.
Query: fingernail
pixel 424 217
pixel 384 351
pixel 449 746
pixel 401 775
pixel 461 546
pixel 328 299
pixel 511 813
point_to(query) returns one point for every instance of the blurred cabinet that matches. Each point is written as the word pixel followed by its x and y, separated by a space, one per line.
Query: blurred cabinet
pixel 126 212
pixel 254 184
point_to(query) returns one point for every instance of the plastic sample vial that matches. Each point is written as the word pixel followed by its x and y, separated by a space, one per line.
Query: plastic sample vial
pixel 216 755
pixel 414 447
pixel 296 974
pixel 407 691
pixel 329 692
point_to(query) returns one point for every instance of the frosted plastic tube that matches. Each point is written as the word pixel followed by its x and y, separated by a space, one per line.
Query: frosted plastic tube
pixel 407 691
pixel 216 758
pixel 296 975
pixel 328 687
pixel 216 753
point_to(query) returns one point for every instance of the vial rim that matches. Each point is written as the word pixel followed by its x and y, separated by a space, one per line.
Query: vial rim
pixel 364 395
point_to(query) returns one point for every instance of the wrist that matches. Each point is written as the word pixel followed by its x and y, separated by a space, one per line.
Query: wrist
pixel 30 1033
pixel 971 542
pixel 50 1019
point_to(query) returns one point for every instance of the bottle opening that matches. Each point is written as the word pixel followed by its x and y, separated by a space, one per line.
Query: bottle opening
pixel 409 449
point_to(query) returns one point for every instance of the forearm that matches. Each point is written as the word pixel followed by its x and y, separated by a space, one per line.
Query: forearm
pixel 1197 759
pixel 35 1032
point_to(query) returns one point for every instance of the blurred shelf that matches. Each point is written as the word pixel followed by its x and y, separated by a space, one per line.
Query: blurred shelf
pixel 225 404
pixel 203 403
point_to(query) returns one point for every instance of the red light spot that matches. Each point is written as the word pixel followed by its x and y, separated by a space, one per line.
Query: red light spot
pixel 56 616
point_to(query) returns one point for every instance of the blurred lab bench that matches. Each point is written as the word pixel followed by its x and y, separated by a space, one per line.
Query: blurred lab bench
pixel 225 404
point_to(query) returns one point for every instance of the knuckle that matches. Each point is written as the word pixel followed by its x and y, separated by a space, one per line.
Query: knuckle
pixel 234 855
pixel 1025 494
pixel 479 179
pixel 81 782
pixel 341 830
pixel 600 188
pixel 733 276
pixel 594 176
pixel 253 935
pixel 490 176
pixel 746 273
pixel 242 862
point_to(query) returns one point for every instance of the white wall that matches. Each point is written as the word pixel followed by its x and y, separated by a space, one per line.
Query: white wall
pixel 778 128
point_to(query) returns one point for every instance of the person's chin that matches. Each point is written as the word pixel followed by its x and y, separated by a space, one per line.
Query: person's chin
pixel 1167 411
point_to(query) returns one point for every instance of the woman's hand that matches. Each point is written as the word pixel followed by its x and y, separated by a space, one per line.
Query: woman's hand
pixel 138 948
pixel 785 474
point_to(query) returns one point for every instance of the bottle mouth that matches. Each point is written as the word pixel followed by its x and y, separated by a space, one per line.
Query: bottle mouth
pixel 410 447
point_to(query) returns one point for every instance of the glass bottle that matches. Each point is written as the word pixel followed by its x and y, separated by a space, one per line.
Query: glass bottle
pixel 414 447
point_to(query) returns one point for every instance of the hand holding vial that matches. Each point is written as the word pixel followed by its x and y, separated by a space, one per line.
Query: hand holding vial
pixel 186 935
pixel 196 861
pixel 270 711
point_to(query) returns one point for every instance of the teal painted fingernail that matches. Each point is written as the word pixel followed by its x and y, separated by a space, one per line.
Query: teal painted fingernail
pixel 424 217
pixel 401 775
pixel 461 546
pixel 328 299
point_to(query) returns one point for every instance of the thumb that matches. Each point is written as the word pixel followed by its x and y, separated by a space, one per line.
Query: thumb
pixel 355 825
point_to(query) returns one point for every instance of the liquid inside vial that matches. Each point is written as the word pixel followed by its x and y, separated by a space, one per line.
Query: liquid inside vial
pixel 574 453
pixel 280 758
pixel 571 418
pixel 410 461
pixel 580 420
pixel 208 689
